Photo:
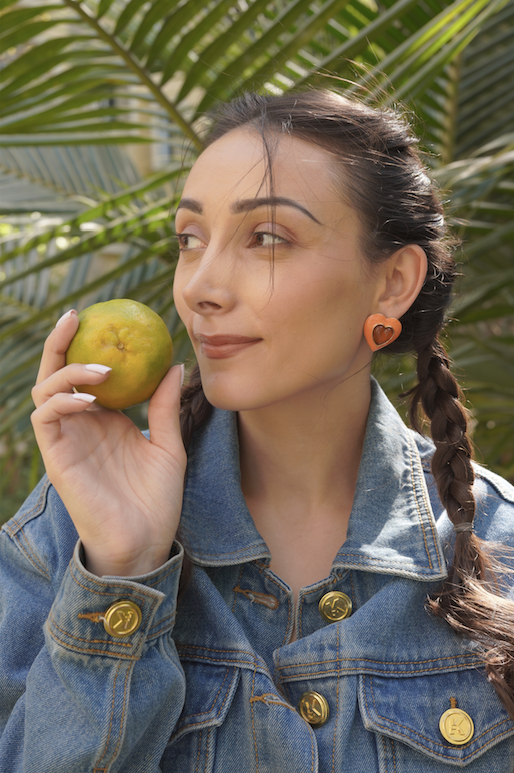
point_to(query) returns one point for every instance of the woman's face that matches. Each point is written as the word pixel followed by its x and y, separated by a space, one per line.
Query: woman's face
pixel 271 286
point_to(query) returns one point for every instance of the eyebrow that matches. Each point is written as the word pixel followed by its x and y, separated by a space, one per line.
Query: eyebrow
pixel 246 205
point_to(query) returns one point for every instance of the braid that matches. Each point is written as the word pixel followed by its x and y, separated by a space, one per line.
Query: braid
pixel 469 598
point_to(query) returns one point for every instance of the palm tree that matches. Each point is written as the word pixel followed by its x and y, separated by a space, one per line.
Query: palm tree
pixel 81 82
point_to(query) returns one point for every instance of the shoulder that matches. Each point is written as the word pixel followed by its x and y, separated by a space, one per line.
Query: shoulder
pixel 41 532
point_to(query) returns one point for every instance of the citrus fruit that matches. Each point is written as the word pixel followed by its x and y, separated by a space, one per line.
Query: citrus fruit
pixel 132 340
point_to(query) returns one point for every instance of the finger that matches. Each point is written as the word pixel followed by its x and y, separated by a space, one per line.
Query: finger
pixel 164 411
pixel 66 378
pixel 54 352
pixel 46 419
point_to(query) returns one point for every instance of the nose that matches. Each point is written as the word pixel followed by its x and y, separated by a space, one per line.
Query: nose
pixel 210 284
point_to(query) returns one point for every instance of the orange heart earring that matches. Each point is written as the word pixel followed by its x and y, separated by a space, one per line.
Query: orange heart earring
pixel 380 331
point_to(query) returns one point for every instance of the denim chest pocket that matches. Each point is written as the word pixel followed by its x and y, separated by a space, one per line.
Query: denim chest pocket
pixel 431 722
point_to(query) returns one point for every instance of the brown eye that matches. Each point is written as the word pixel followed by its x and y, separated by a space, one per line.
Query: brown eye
pixel 188 242
pixel 264 239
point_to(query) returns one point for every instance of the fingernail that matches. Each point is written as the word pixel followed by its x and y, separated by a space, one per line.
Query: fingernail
pixel 84 396
pixel 96 368
pixel 65 316
pixel 182 374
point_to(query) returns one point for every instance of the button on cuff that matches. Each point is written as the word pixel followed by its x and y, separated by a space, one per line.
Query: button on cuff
pixel 84 601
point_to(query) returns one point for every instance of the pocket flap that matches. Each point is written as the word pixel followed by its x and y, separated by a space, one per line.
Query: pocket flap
pixel 210 693
pixel 409 709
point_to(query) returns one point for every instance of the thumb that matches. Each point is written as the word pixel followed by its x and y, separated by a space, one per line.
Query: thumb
pixel 164 411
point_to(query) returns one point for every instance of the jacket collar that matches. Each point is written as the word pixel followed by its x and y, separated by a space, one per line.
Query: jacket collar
pixel 392 529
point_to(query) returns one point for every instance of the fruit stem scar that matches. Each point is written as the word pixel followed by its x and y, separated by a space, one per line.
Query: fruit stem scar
pixel 120 345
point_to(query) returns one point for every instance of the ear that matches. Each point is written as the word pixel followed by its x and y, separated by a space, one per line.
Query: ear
pixel 403 278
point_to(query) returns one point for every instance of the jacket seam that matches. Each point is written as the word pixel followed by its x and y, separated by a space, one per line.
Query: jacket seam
pixel 413 477
pixel 35 510
pixel 29 553
pixel 83 650
pixel 386 662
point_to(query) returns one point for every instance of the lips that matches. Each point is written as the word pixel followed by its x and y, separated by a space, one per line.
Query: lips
pixel 217 347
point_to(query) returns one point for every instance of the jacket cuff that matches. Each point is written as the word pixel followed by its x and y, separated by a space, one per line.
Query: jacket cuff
pixel 114 616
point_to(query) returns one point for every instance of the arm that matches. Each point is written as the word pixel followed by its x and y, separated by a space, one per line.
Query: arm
pixel 74 697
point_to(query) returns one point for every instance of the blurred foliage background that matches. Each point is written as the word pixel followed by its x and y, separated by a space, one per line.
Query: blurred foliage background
pixel 102 105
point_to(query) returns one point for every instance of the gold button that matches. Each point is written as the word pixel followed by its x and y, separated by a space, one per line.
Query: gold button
pixel 122 618
pixel 456 726
pixel 335 606
pixel 313 708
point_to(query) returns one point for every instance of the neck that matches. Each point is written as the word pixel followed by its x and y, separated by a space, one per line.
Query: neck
pixel 306 450
pixel 299 466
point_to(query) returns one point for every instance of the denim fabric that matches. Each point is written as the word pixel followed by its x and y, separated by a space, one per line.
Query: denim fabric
pixel 213 683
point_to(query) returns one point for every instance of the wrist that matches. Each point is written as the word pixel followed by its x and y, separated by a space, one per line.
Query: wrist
pixel 138 566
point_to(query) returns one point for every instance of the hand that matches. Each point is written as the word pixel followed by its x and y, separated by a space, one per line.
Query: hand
pixel 122 491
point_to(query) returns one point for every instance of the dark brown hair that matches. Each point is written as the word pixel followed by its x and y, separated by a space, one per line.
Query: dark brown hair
pixel 385 181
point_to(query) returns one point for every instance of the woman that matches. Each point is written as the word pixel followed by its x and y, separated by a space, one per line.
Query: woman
pixel 316 524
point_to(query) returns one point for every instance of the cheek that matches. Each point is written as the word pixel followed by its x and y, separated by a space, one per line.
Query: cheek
pixel 178 286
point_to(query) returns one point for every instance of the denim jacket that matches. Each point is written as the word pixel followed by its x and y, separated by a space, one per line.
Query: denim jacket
pixel 215 684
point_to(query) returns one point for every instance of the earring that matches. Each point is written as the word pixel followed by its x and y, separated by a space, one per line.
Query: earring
pixel 380 331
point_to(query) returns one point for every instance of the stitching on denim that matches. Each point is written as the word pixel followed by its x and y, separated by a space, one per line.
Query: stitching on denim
pixel 163 620
pixel 417 504
pixel 199 749
pixel 385 561
pixel 207 722
pixel 112 714
pixel 29 554
pixel 238 584
pixel 78 638
pixel 427 506
pixel 289 611
pixel 202 713
pixel 354 598
pixel 160 631
pixel 123 588
pixel 312 749
pixel 20 522
pixel 209 733
pixel 231 552
pixel 223 652
pixel 431 740
pixel 393 747
pixel 360 670
pixel 390 662
pixel 337 707
pixel 300 620
pixel 162 574
pixel 115 752
pixel 83 650
pixel 253 727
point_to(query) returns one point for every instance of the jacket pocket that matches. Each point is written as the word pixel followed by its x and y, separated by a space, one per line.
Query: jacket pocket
pixel 453 718
pixel 209 695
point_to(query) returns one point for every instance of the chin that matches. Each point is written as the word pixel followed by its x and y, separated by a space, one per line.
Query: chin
pixel 234 397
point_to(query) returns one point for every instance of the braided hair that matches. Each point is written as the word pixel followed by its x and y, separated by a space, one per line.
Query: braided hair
pixel 386 183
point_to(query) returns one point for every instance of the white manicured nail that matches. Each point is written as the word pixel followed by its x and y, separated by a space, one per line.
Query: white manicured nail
pixel 96 368
pixel 65 317
pixel 84 396
pixel 182 374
